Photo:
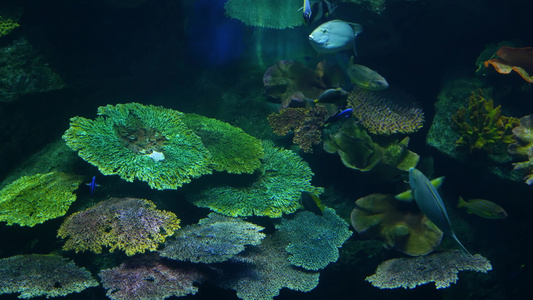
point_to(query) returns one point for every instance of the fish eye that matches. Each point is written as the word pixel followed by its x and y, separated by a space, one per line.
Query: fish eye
pixel 324 30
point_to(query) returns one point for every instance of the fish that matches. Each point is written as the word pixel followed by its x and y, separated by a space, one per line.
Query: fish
pixel 337 96
pixel 430 203
pixel 92 185
pixel 365 77
pixel 340 115
pixel 312 203
pixel 319 9
pixel 307 12
pixel 335 36
pixel 408 195
pixel 483 208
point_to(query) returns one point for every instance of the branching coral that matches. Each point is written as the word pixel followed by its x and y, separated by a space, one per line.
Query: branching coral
pixel 282 178
pixel 482 126
pixel 214 239
pixel 32 200
pixel 305 123
pixel 128 224
pixel 265 272
pixel 37 275
pixel 441 268
pixel 150 143
pixel 7 25
pixel 278 14
pixel 383 113
pixel 149 278
pixel 314 240
pixel 231 149
pixel 399 224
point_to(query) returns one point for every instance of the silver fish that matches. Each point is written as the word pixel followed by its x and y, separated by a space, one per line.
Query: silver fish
pixel 334 36
pixel 430 203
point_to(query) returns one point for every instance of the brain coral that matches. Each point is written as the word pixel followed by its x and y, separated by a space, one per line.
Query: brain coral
pixel 132 140
pixel 278 14
pixel 231 149
pixel 382 113
pixel 37 275
pixel 314 240
pixel 282 178
pixel 31 200
pixel 214 239
pixel 129 224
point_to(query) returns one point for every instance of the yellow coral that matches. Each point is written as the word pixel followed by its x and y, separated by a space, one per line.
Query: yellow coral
pixel 7 25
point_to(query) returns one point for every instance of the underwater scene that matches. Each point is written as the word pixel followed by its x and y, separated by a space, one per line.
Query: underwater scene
pixel 266 149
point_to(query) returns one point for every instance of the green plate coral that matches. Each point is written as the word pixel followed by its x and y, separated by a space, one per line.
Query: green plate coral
pixel 132 140
pixel 282 178
pixel 231 149
pixel 32 200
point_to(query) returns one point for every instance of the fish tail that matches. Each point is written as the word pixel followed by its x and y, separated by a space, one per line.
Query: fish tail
pixel 463 248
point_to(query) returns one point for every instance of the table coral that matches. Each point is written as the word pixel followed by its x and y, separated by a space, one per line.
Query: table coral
pixel 441 268
pixel 399 224
pixel 305 123
pixel 482 126
pixel 216 238
pixel 265 271
pixel 278 14
pixel 123 138
pixel 128 224
pixel 32 200
pixel 385 113
pixel 36 275
pixel 231 149
pixel 282 178
pixel 149 278
pixel 314 240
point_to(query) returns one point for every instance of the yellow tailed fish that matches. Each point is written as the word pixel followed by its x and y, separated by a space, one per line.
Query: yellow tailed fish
pixel 483 208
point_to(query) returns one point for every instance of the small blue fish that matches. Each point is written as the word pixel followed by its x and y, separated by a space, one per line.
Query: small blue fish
pixel 341 115
pixel 93 185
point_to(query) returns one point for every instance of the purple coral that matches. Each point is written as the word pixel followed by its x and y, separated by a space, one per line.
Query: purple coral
pixel 149 277
pixel 129 224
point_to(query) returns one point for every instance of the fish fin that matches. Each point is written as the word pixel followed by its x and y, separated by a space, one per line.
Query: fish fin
pixel 406 196
pixel 461 203
pixel 351 60
pixel 463 248
pixel 437 182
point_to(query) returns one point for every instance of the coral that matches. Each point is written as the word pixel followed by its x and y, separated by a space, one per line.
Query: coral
pixel 358 150
pixel 231 149
pixel 6 26
pixel 305 123
pixel 384 113
pixel 523 146
pixel 482 126
pixel 32 200
pixel 510 59
pixel 123 137
pixel 441 268
pixel 214 239
pixel 37 275
pixel 149 278
pixel 265 272
pixel 282 178
pixel 25 71
pixel 399 224
pixel 314 240
pixel 128 224
pixel 278 14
